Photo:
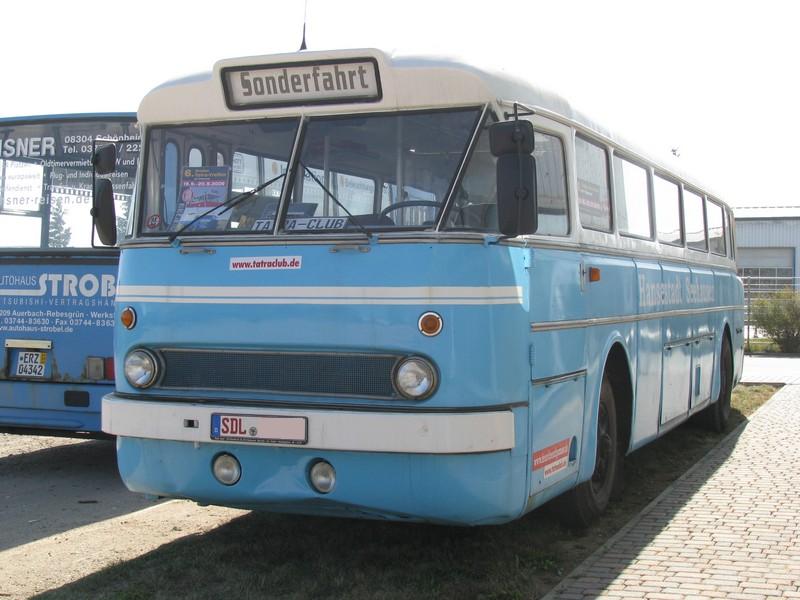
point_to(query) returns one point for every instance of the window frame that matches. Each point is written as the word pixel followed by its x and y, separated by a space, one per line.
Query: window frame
pixel 605 148
pixel 681 218
pixel 650 196
pixel 702 196
pixel 719 205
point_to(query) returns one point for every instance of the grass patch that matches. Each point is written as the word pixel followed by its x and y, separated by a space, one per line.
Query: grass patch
pixel 761 346
pixel 262 555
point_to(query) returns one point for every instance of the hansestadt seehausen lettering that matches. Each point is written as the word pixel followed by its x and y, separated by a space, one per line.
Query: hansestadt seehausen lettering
pixel 673 294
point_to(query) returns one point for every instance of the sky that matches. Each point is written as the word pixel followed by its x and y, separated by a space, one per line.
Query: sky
pixel 718 81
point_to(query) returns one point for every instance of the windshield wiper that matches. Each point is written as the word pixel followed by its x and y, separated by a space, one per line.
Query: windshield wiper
pixel 229 204
pixel 353 220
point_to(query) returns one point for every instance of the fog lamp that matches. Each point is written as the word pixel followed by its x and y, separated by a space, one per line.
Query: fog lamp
pixel 226 469
pixel 322 476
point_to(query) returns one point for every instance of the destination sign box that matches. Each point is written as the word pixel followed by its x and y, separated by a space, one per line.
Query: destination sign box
pixel 355 80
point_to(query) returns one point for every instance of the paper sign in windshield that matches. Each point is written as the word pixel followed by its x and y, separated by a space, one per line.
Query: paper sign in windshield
pixel 202 189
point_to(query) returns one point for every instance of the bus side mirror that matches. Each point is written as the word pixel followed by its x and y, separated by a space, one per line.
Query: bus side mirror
pixel 104 159
pixel 512 143
pixel 104 213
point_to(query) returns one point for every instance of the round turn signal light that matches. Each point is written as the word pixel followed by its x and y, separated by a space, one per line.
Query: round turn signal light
pixel 430 324
pixel 128 317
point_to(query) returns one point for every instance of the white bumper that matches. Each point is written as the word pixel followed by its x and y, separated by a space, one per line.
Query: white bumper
pixel 359 431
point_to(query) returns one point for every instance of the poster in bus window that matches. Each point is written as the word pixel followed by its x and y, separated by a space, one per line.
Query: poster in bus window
pixel 21 185
pixel 202 189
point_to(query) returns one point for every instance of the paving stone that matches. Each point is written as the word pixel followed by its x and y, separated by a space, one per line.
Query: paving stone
pixel 729 528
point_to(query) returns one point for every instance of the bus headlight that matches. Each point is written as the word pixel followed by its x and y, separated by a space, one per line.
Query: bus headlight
pixel 141 368
pixel 415 378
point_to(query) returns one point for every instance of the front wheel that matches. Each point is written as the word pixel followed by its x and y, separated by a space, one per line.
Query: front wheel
pixel 584 503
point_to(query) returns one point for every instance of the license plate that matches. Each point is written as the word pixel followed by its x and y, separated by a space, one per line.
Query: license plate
pixel 260 429
pixel 31 364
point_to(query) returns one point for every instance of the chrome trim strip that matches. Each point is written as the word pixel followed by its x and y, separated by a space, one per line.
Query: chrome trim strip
pixel 430 237
pixel 557 325
pixel 688 341
pixel 560 378
pixel 29 344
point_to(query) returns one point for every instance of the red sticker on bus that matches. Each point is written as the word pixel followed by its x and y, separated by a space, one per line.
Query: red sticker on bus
pixel 552 459
pixel 153 221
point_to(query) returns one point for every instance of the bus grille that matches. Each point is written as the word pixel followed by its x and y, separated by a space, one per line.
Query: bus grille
pixel 287 372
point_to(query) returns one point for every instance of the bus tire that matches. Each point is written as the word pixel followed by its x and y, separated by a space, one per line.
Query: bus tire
pixel 581 505
pixel 715 416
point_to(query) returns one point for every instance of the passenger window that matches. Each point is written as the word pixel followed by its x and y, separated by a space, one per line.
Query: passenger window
pixel 594 200
pixel 195 157
pixel 668 211
pixel 729 228
pixel 551 185
pixel 695 221
pixel 356 194
pixel 631 199
pixel 716 228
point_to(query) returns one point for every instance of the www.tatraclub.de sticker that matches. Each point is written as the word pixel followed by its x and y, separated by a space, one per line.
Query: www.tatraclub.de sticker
pixel 265 263
pixel 552 459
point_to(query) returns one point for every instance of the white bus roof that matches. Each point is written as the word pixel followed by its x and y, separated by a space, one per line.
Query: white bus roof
pixel 407 82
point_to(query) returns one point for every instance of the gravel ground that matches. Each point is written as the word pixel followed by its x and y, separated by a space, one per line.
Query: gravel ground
pixel 65 513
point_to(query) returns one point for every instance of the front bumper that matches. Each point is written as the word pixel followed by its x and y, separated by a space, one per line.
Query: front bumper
pixel 462 468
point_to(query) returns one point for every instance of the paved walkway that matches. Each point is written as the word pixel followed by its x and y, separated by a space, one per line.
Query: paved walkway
pixel 729 528
pixel 769 369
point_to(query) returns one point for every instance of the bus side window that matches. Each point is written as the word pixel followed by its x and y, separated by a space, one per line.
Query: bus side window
pixel 716 228
pixel 631 199
pixel 195 157
pixel 551 185
pixel 594 199
pixel 668 211
pixel 695 220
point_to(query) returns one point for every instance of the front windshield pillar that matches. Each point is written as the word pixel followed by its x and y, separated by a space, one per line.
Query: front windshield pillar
pixel 473 143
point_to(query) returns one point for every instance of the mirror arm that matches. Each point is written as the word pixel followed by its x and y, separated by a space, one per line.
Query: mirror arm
pixel 528 112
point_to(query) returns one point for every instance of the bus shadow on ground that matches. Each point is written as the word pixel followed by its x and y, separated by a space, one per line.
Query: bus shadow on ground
pixel 260 554
pixel 51 490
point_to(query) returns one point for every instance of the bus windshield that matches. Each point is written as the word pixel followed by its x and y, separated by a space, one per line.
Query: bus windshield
pixel 353 173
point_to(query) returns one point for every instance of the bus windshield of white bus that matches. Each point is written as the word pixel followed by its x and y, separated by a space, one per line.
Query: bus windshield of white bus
pixel 378 172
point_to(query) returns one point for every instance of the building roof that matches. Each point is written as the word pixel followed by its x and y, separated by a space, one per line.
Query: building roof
pixel 787 211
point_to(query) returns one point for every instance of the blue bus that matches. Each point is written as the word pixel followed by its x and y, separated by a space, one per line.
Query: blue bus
pixel 56 289
pixel 403 288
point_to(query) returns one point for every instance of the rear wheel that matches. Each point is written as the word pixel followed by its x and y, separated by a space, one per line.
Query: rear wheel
pixel 715 416
pixel 585 502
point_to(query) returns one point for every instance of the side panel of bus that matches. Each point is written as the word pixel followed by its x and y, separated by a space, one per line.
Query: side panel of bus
pixel 56 321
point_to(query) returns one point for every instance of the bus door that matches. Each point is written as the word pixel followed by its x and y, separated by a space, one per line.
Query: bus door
pixel 701 293
pixel 677 335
